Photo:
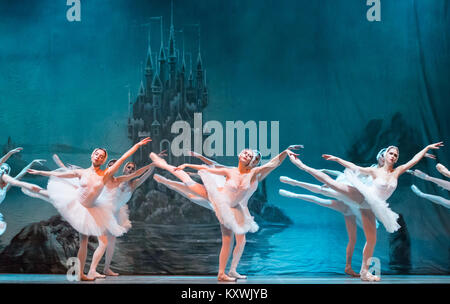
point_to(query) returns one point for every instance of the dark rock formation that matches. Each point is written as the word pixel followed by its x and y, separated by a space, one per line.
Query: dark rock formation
pixel 400 249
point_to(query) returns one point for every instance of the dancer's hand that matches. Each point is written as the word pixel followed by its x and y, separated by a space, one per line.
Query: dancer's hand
pixel 144 142
pixel 436 145
pixel 38 161
pixel 162 153
pixel 295 147
pixel 32 171
pixel 329 157
pixel 428 155
pixel 180 167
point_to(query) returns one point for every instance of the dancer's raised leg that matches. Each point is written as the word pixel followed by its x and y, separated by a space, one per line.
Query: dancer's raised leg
pixel 434 198
pixel 311 187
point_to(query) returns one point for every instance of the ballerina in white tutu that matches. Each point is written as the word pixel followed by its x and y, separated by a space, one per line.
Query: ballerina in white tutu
pixel 75 193
pixel 372 197
pixel 433 198
pixel 341 203
pixel 6 181
pixel 226 190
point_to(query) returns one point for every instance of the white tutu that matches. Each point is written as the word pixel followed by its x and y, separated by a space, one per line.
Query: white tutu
pixel 2 225
pixel 65 195
pixel 120 209
pixel 224 200
pixel 375 195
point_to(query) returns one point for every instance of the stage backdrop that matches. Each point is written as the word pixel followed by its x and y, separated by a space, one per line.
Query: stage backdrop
pixel 334 81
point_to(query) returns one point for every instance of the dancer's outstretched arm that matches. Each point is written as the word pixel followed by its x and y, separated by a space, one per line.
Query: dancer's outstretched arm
pixel 9 154
pixel 350 165
pixel 402 168
pixel 206 160
pixel 125 178
pixel 264 170
pixel 60 174
pixel 444 171
pixel 139 181
pixel 24 171
pixel 440 182
pixel 113 169
pixel 58 161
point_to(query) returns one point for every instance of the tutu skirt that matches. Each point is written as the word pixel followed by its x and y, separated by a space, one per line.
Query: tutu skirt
pixel 379 206
pixel 96 220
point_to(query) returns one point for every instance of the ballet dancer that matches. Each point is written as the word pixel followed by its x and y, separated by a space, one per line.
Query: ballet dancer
pixel 372 197
pixel 6 181
pixel 224 196
pixel 341 203
pixel 433 198
pixel 75 193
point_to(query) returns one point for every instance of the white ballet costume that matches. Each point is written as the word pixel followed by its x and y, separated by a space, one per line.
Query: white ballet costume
pixel 375 195
pixel 119 196
pixel 225 194
pixel 95 218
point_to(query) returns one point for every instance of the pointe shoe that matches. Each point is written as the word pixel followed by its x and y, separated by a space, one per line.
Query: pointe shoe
pixel 416 190
pixel 109 272
pixel 235 274
pixel 367 276
pixel 286 180
pixel 351 272
pixel 95 275
pixel 156 159
pixel 225 278
pixel 158 178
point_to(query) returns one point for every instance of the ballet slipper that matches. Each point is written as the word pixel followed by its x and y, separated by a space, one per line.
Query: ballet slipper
pixel 111 273
pixel 367 276
pixel 351 272
pixel 235 274
pixel 95 275
pixel 224 278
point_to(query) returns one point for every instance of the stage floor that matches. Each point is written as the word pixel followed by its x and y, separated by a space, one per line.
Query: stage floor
pixel 141 279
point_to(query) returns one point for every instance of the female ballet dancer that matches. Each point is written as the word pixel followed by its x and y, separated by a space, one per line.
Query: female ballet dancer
pixel 6 181
pixel 118 190
pixel 372 197
pixel 75 194
pixel 341 203
pixel 434 198
pixel 225 198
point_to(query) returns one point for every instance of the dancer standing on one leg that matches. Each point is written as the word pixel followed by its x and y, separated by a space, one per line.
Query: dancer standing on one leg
pixel 224 195
pixel 75 194
pixel 6 181
pixel 373 196
pixel 341 203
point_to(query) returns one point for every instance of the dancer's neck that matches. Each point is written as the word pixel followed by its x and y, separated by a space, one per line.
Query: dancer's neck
pixel 243 169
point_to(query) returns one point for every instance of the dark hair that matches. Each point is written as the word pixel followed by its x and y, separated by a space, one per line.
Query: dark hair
pixel 111 162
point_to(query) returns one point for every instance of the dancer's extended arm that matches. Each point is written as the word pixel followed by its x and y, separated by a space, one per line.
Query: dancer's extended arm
pixel 349 165
pixel 125 178
pixel 444 171
pixel 218 171
pixel 139 181
pixel 24 171
pixel 402 168
pixel 113 169
pixel 206 160
pixel 9 154
pixel 61 174
pixel 58 161
pixel 264 170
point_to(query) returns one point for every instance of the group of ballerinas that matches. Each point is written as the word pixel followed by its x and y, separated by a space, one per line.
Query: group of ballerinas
pixel 93 201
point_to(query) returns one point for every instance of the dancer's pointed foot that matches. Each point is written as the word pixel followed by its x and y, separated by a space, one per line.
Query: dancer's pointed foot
pixel 83 277
pixel 367 276
pixel 159 178
pixel 351 272
pixel 287 180
pixel 109 272
pixel 157 160
pixel 416 190
pixel 95 275
pixel 286 193
pixel 235 274
pixel 224 278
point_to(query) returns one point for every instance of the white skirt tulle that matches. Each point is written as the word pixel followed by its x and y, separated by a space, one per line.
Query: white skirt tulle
pixel 123 217
pixel 64 195
pixel 378 206
pixel 223 206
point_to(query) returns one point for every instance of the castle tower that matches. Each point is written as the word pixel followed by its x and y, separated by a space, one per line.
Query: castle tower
pixel 172 58
pixel 149 70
